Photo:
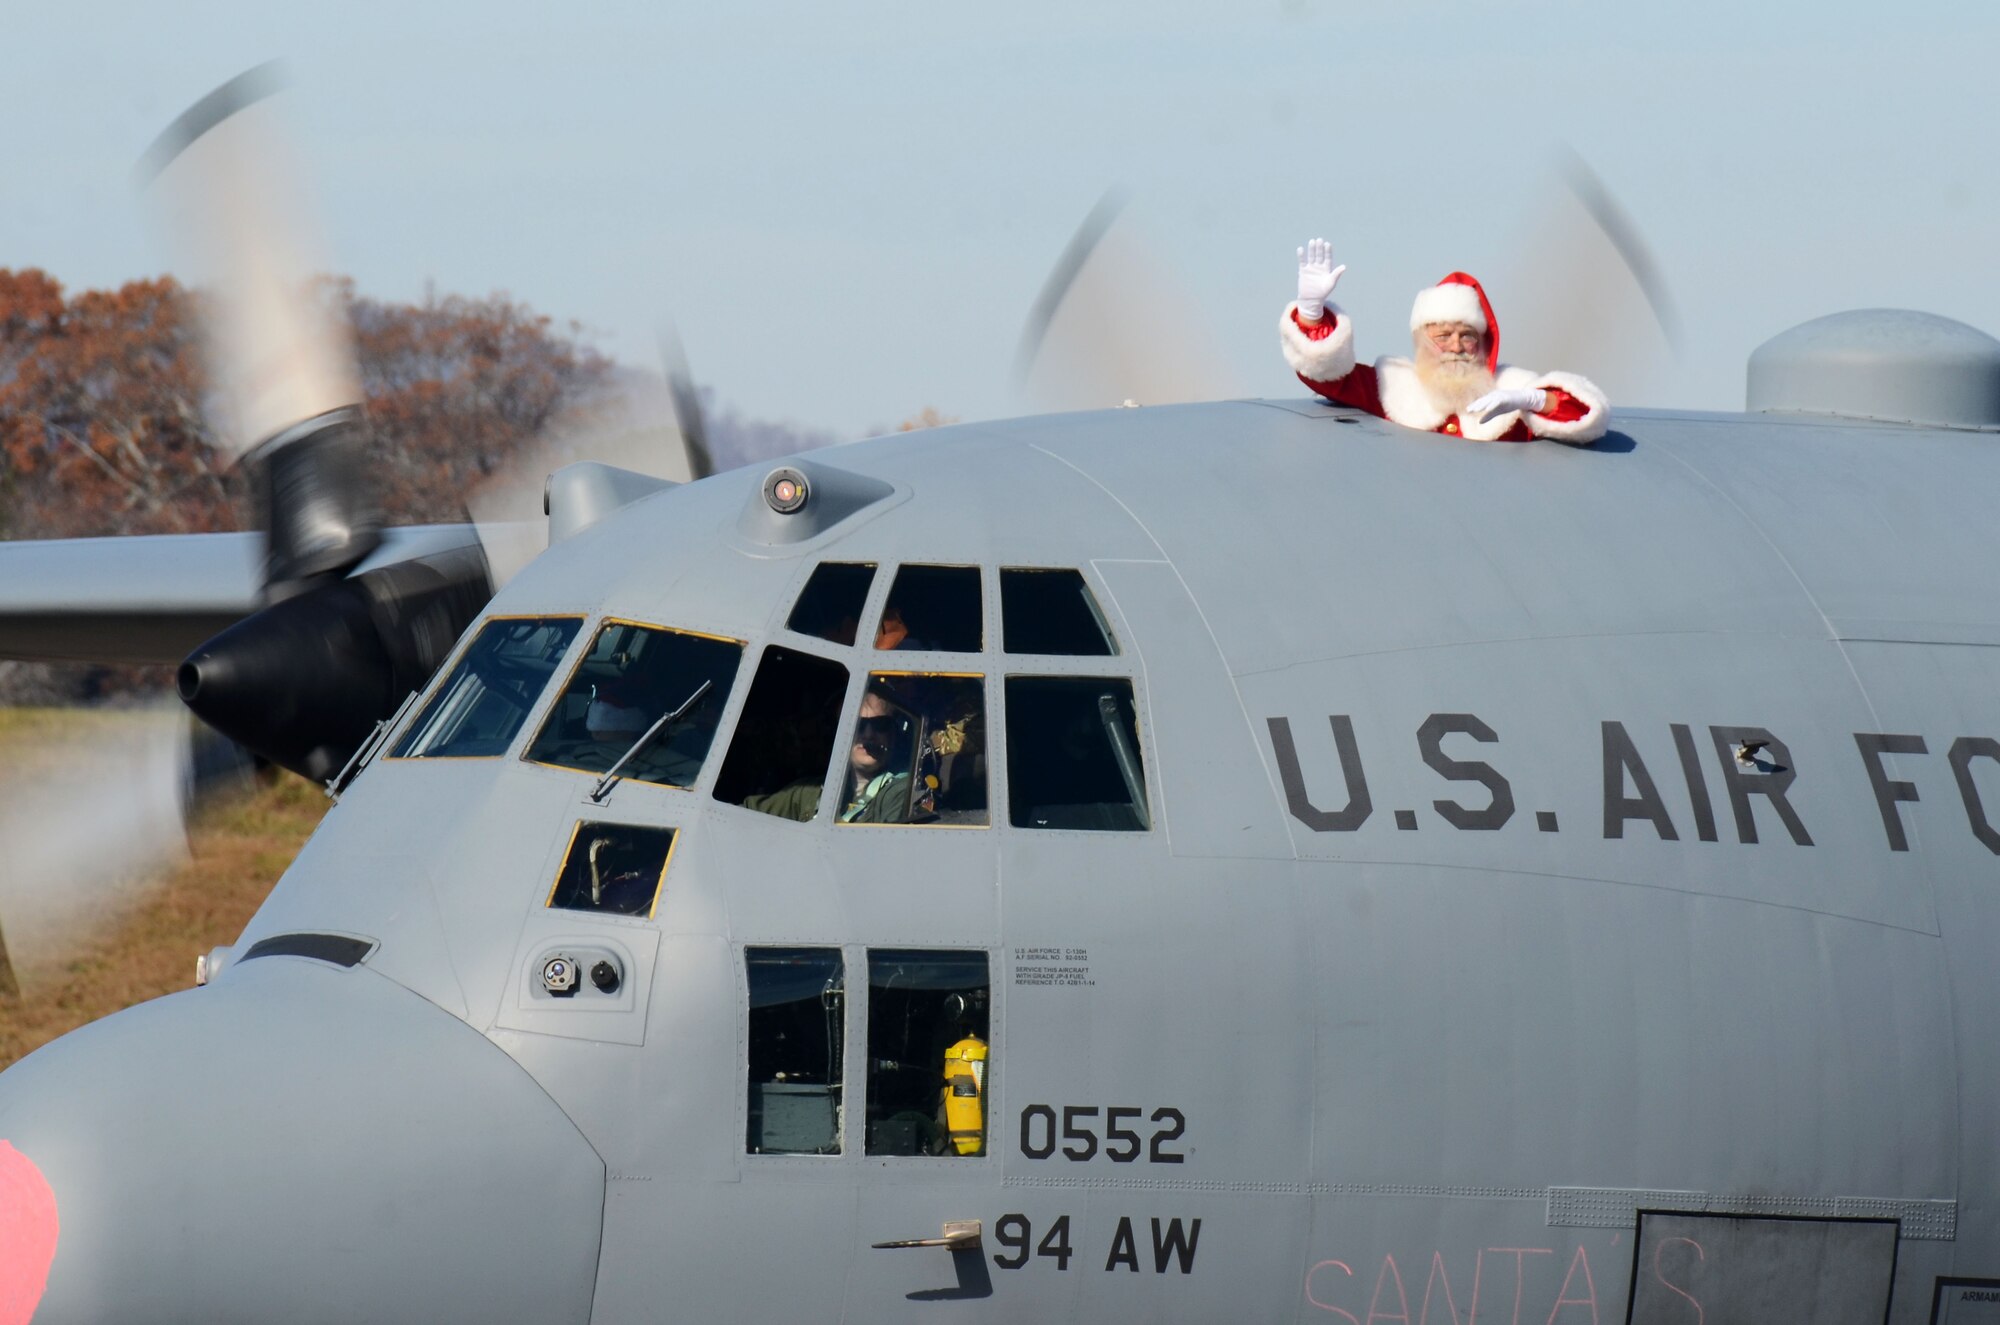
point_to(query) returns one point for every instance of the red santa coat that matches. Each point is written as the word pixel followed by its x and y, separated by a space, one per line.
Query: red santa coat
pixel 1322 354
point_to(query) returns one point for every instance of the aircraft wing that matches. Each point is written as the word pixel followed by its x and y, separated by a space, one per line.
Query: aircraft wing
pixel 151 599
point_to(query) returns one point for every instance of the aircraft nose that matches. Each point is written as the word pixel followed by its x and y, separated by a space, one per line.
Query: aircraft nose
pixel 298 1142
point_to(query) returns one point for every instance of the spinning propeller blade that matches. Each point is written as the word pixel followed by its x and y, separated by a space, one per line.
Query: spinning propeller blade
pixel 1587 295
pixel 303 680
pixel 1108 327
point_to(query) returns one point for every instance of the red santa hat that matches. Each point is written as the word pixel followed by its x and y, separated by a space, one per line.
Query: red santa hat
pixel 1459 298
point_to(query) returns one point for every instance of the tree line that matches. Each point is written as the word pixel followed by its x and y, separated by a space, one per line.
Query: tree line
pixel 104 429
pixel 105 420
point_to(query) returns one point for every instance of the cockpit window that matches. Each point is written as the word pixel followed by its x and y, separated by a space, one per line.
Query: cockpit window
pixel 917 752
pixel 829 607
pixel 613 869
pixel 927 1052
pixel 797 1038
pixel 933 607
pixel 778 758
pixel 1073 754
pixel 632 677
pixel 1052 612
pixel 484 701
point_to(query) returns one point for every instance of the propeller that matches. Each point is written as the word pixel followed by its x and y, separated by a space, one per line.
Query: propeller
pixel 289 388
pixel 1588 295
pixel 302 681
pixel 686 401
pixel 92 803
pixel 647 424
pixel 1108 327
pixel 349 617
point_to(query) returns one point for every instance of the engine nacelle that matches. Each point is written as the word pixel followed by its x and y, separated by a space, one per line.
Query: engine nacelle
pixel 303 681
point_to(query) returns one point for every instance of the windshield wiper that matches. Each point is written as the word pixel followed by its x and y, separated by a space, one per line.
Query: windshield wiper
pixel 1121 754
pixel 604 783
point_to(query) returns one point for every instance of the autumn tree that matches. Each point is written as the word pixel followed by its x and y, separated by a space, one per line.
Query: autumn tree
pixel 456 388
pixel 103 430
pixel 101 427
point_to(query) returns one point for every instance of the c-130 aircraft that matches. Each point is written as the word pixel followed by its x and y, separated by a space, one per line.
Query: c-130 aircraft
pixel 1226 861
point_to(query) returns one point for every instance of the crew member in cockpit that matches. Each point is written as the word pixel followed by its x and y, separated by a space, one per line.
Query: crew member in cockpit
pixel 1453 383
pixel 878 774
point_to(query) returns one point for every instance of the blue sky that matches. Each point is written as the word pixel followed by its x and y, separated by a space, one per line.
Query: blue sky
pixel 848 209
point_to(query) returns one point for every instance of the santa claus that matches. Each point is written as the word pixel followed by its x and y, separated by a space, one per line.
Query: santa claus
pixel 1453 383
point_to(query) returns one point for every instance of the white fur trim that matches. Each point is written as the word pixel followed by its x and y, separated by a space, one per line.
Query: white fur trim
pixel 1583 431
pixel 1404 399
pixel 1406 402
pixel 1326 360
pixel 1448 303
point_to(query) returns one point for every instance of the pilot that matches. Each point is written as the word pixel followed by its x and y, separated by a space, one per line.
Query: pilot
pixel 1454 382
pixel 878 789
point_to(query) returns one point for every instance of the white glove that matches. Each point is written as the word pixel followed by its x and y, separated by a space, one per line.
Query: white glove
pixel 1317 277
pixel 1495 403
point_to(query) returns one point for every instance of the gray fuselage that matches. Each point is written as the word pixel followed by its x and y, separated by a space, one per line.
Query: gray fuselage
pixel 1513 865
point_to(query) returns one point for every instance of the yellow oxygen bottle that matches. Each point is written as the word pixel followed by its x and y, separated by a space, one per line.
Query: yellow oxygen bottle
pixel 965 1095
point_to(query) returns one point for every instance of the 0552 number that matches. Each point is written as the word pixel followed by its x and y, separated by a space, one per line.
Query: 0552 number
pixel 1081 1138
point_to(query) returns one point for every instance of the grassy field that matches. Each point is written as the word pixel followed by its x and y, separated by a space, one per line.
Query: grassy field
pixel 146 946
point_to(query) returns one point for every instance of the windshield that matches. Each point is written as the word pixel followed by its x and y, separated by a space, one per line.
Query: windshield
pixel 476 712
pixel 632 677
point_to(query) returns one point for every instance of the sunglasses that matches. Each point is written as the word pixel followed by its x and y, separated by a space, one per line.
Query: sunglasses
pixel 887 725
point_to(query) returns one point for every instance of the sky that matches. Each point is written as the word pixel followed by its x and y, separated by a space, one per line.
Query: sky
pixel 847 210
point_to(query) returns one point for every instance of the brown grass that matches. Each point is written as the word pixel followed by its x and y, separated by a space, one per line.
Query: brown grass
pixel 236 852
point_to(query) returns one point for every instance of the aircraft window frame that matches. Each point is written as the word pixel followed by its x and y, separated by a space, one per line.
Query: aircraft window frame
pixel 868 677
pixel 1143 748
pixel 873 1062
pixel 982 577
pixel 598 626
pixel 659 883
pixel 838 1057
pixel 435 688
pixel 849 670
pixel 1094 599
pixel 869 608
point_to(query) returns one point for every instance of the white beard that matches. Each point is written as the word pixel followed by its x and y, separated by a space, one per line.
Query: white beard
pixel 1452 381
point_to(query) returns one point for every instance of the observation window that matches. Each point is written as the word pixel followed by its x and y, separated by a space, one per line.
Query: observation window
pixel 632 677
pixel 797 1006
pixel 829 607
pixel 1052 612
pixel 917 754
pixel 1073 754
pixel 928 1069
pixel 933 607
pixel 614 869
pixel 783 745
pixel 484 701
